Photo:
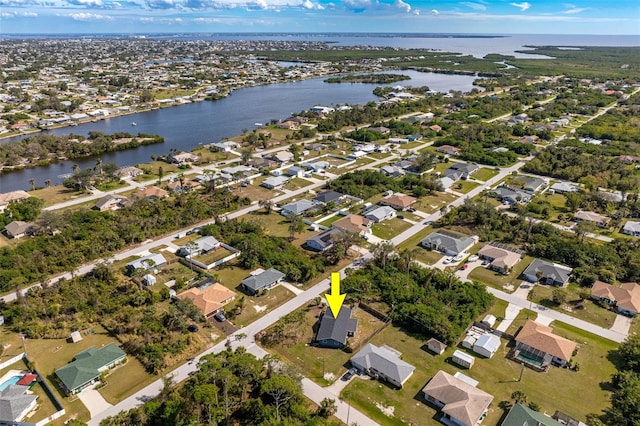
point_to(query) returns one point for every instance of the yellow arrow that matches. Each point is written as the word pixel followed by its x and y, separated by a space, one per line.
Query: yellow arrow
pixel 334 298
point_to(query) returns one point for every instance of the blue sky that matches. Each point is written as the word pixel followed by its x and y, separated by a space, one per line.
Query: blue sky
pixel 437 16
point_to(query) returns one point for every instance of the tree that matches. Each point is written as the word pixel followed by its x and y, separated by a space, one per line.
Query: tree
pixel 519 397
pixel 625 400
pixel 267 205
pixel 382 253
pixel 281 389
pixel 146 96
pixel 629 351
pixel 32 182
pixel 327 408
pixel 47 183
pixel 559 296
pixel 296 226
pixel 160 174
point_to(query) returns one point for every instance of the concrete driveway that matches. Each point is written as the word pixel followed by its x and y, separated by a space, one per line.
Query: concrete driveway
pixel 621 324
pixel 94 402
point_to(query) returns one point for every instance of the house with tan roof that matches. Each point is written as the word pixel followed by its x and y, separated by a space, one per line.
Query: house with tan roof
pixel 537 346
pixel 398 201
pixel 595 218
pixel 10 197
pixel 460 402
pixel 626 297
pixel 209 299
pixel 502 260
pixel 153 192
pixel 354 223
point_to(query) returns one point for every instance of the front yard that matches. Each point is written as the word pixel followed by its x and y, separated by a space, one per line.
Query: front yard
pixel 390 228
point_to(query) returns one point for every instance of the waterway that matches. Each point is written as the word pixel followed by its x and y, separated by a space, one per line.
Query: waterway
pixel 185 127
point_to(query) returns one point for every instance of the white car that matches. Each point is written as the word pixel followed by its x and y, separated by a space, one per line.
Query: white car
pixel 459 257
pixel 473 258
pixel 448 260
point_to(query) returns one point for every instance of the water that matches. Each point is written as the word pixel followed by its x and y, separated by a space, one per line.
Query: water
pixel 11 381
pixel 186 126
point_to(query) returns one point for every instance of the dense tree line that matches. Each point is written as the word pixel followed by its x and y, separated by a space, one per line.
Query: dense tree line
pixel 427 301
pixel 66 239
pixel 231 388
pixel 368 78
pixel 25 210
pixel 42 149
pixel 367 183
pixel 618 124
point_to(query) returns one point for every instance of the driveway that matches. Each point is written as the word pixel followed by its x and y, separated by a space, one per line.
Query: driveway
pixel 94 402
pixel 621 324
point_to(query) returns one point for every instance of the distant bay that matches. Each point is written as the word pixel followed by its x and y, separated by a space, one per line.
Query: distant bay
pixel 185 127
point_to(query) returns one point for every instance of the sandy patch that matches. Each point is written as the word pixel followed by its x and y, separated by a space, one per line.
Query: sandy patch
pixel 259 308
pixel 387 411
pixel 329 377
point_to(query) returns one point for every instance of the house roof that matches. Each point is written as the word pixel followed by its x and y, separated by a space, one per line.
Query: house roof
pixel 590 216
pixel 531 183
pixel 263 279
pixel 466 168
pixel 564 187
pixel 17 227
pixel 109 199
pixel 203 244
pixel 385 361
pixel 462 401
pixel 436 344
pixel 448 148
pixel 87 365
pixel 8 197
pixel 298 207
pixel 337 328
pixel 275 180
pixel 352 223
pixel 504 192
pixel 631 226
pixel 324 240
pixel 146 261
pixel 328 196
pixel 448 242
pixel 541 337
pixel 380 213
pixel 626 296
pixel 154 191
pixel 209 299
pixel 521 415
pixel 27 379
pixel 490 342
pixel 557 272
pixel 501 258
pixel 14 401
pixel 398 200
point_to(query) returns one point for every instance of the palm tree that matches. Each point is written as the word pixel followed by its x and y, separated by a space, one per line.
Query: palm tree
pixel 267 205
pixel 47 183
pixel 296 225
pixel 33 183
pixel 98 168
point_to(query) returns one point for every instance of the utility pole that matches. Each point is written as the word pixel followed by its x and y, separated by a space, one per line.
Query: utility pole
pixel 521 371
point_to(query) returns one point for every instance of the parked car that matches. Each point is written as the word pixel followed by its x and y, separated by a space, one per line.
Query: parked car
pixel 459 257
pixel 473 258
pixel 220 317
pixel 193 328
pixel 448 260
pixel 346 376
pixel 428 222
pixel 465 266
pixel 400 216
pixel 411 209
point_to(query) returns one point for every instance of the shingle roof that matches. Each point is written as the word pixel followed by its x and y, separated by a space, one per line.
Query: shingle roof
pixel 557 272
pixel 86 365
pixel 203 244
pixel 398 200
pixel 336 328
pixel 461 400
pixel 626 296
pixel 264 279
pixel 384 361
pixel 209 299
pixel 13 401
pixel 448 242
pixel 519 415
pixel 352 223
pixel 328 196
pixel 324 239
pixel 632 227
pixel 380 213
pixel 17 227
pixel 298 207
pixel 541 337
pixel 146 262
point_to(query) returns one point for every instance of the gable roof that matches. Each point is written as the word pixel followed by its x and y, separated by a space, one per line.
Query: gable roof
pixel 462 401
pixel 448 242
pixel 328 196
pixel 564 187
pixel 18 227
pixel 400 201
pixel 298 207
pixel 87 365
pixel 336 328
pixel 501 258
pixel 380 213
pixel 9 197
pixel 541 337
pixel 520 415
pixel 209 299
pixel 263 279
pixel 109 199
pixel 154 192
pixel 626 296
pixel 146 262
pixel 631 226
pixel 590 216
pixel 203 244
pixel 14 401
pixel 559 273
pixel 352 223
pixel 490 342
pixel 385 361
pixel 324 240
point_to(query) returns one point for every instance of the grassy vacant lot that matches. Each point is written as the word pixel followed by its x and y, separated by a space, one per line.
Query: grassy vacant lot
pixel 209 157
pixel 278 225
pixel 125 380
pixel 257 306
pixel 586 310
pixel 213 256
pixel 324 365
pixel 297 183
pixel 465 186
pixel 581 392
pixel 390 228
pixel 110 186
pixel 432 203
pixel 255 192
pixel 496 279
pixel 484 174
pixel 57 194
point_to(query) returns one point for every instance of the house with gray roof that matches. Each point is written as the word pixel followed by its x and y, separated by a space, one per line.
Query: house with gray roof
pixel 87 367
pixel 510 196
pixel 150 261
pixel 381 213
pixel 563 187
pixel 631 228
pixel 18 229
pixel 447 243
pixel 459 171
pixel 532 184
pixel 547 273
pixel 261 280
pixel 383 363
pixel 329 197
pixel 15 403
pixel 333 332
pixel 110 202
pixel 297 208
pixel 200 246
pixel 392 171
pixel 323 241
pixel 316 166
pixel 275 182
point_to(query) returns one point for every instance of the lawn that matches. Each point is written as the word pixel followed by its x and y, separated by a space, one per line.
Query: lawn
pixel 151 170
pixel 359 163
pixel 390 228
pixel 207 156
pixel 329 222
pixel 125 380
pixel 255 192
pixel 176 271
pixel 213 256
pixel 496 279
pixel 590 311
pixel 257 306
pixel 581 392
pixel 297 183
pixel 484 174
pixel 465 186
pixel 432 203
pixel 278 225
pixel 110 186
pixel 324 365
pixel 56 194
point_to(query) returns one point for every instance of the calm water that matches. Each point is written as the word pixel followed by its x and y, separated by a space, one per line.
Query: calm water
pixel 186 126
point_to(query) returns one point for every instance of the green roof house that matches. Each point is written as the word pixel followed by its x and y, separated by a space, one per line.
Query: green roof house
pixel 87 366
pixel 519 415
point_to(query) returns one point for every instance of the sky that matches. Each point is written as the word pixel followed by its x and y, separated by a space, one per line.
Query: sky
pixel 296 16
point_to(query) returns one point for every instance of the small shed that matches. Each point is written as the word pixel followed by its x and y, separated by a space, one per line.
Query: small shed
pixel 149 280
pixel 468 342
pixel 462 359
pixel 487 345
pixel 436 346
pixel 76 336
pixel 489 320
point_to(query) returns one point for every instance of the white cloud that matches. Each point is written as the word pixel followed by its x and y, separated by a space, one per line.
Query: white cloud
pixel 435 12
pixel 87 3
pixel 474 6
pixel 522 6
pixel 308 4
pixel 29 14
pixel 89 17
pixel 402 5
pixel 573 10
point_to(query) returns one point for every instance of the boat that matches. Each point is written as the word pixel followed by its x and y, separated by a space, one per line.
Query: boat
pixel 133 123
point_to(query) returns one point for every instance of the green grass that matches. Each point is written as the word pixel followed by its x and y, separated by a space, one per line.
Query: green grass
pixel 484 174
pixel 579 394
pixel 110 186
pixel 465 186
pixel 434 202
pixel 329 222
pixel 390 228
pixel 496 279
pixel 359 163
pixel 257 306
pixel 213 256
pixel 125 380
pixel 297 183
pixel 56 194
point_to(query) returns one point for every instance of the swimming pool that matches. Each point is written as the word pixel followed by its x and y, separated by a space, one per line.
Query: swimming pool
pixel 10 381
